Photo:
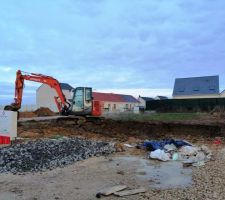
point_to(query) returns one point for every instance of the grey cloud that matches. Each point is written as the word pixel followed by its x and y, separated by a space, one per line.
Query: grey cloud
pixel 148 43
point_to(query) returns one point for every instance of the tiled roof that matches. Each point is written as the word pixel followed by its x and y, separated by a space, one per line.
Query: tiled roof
pixel 196 86
pixel 129 98
pixel 114 97
pixel 162 97
pixel 66 86
pixel 147 98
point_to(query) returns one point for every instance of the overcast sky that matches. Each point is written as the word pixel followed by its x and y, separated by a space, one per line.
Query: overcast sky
pixel 127 46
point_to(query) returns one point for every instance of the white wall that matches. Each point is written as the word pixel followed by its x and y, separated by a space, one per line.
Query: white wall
pixel 196 96
pixel 45 97
pixel 142 102
pixel 120 106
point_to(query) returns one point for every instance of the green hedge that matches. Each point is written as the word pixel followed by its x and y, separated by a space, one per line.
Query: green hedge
pixel 185 105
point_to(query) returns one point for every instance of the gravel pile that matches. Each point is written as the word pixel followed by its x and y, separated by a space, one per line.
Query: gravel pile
pixel 48 154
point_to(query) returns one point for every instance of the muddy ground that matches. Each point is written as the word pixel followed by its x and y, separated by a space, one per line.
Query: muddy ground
pixel 123 131
pixel 82 180
pixel 163 180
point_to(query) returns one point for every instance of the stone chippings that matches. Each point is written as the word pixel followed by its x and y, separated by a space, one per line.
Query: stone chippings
pixel 48 154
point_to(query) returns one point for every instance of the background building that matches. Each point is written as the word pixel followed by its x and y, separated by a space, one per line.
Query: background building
pixel 144 100
pixel 111 102
pixel 196 87
pixel 116 102
pixel 45 95
pixel 160 97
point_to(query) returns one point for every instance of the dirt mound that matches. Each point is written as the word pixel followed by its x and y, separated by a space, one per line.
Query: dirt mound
pixel 27 114
pixel 42 112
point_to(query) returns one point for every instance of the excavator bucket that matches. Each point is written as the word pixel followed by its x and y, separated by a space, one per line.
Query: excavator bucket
pixel 12 107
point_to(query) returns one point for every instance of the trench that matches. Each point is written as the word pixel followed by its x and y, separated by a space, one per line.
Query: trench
pixel 122 130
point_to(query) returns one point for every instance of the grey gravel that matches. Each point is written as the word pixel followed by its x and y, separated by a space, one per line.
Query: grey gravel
pixel 47 154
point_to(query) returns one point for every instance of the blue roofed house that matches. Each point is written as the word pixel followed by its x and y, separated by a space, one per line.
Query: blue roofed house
pixel 196 87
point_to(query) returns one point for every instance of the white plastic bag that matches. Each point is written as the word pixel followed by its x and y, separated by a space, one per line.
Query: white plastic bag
pixel 170 147
pixel 160 155
pixel 188 150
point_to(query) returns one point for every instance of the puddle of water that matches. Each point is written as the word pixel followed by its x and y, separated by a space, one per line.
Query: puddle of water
pixel 156 174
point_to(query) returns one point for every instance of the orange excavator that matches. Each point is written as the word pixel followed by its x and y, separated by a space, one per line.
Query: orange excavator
pixel 82 102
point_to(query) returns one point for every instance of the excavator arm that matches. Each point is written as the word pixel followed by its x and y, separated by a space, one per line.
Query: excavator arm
pixel 62 104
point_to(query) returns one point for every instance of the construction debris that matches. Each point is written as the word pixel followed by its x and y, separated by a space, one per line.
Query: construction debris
pixel 129 146
pixel 166 150
pixel 110 190
pixel 119 190
pixel 121 172
pixel 163 144
pixel 119 147
pixel 42 155
pixel 217 141
pixel 130 192
pixel 160 155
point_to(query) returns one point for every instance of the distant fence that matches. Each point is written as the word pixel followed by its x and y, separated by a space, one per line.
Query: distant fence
pixel 24 108
pixel 185 105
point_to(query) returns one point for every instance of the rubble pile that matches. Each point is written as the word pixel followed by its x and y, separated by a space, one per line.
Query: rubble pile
pixel 48 154
pixel 178 150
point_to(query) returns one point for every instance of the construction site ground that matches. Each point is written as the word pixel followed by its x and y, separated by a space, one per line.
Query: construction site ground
pixel 130 166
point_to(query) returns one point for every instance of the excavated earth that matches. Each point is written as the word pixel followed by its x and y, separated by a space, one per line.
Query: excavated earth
pixel 122 130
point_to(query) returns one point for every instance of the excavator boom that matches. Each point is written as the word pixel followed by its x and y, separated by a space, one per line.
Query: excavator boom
pixel 62 104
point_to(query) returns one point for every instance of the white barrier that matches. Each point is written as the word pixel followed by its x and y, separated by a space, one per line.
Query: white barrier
pixel 8 123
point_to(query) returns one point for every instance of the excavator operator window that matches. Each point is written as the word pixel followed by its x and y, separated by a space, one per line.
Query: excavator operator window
pixel 88 94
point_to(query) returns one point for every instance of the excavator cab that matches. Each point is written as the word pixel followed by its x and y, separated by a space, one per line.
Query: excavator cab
pixel 82 101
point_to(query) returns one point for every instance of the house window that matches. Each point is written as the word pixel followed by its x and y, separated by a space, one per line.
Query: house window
pixel 114 106
pixel 126 106
pixel 109 106
pixel 181 89
pixel 196 89
pixel 212 87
